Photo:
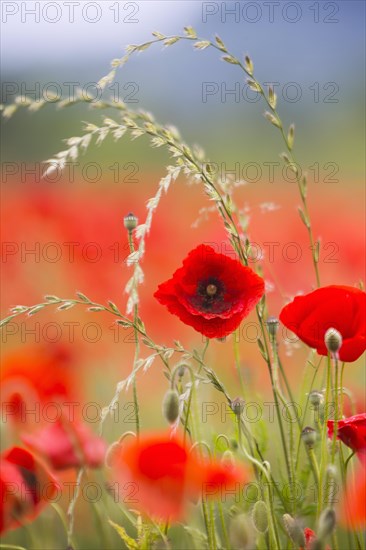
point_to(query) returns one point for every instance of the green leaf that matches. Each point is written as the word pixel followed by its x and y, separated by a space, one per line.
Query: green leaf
pixel 129 541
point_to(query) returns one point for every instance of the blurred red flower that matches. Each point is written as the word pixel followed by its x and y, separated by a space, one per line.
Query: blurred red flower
pixel 221 478
pixel 211 292
pixel 339 307
pixel 34 376
pixel 352 514
pixel 310 538
pixel 26 487
pixel 165 475
pixel 67 444
pixel 352 431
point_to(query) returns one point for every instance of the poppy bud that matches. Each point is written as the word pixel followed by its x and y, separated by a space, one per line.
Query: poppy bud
pixel 309 436
pixel 327 523
pixel 272 327
pixel 294 530
pixel 130 222
pixel 228 459
pixel 181 370
pixel 333 340
pixel 237 406
pixel 171 406
pixel 240 532
pixel 316 398
pixel 260 516
pixel 234 444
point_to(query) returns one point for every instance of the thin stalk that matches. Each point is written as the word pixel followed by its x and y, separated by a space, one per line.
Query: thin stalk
pixel 137 349
pixel 324 451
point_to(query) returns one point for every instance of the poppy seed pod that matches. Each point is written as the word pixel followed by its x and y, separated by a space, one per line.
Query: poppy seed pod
pixel 316 398
pixel 171 406
pixel 130 222
pixel 333 340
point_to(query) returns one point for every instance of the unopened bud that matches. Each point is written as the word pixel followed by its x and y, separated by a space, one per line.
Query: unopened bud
pixel 333 340
pixel 228 460
pixel 309 436
pixel 234 444
pixel 294 530
pixel 130 222
pixel 171 406
pixel 181 370
pixel 331 471
pixel 272 327
pixel 327 523
pixel 237 406
pixel 316 398
pixel 260 516
pixel 240 532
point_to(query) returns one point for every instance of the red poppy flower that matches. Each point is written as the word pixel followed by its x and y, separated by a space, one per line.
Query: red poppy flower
pixel 340 307
pixel 161 475
pixel 211 292
pixel 352 431
pixel 26 487
pixel 67 445
pixel 35 376
pixel 222 480
pixel 310 538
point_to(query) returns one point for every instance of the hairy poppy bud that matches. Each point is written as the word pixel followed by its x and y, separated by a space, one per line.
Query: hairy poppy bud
pixel 327 523
pixel 294 530
pixel 260 516
pixel 240 532
pixel 333 340
pixel 171 406
pixel 272 327
pixel 181 370
pixel 237 406
pixel 309 436
pixel 130 222
pixel 228 459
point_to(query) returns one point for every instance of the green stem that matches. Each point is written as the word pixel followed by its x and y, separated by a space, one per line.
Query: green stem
pixel 324 449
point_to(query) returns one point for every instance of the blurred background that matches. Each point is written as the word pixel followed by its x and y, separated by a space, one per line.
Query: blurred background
pixel 68 236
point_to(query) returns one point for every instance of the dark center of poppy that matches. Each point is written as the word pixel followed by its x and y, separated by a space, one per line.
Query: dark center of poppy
pixel 210 296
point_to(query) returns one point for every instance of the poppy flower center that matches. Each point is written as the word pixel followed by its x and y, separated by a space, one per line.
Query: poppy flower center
pixel 211 289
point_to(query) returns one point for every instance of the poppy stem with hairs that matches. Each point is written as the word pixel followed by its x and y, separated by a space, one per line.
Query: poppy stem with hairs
pixel 323 452
pixel 277 406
